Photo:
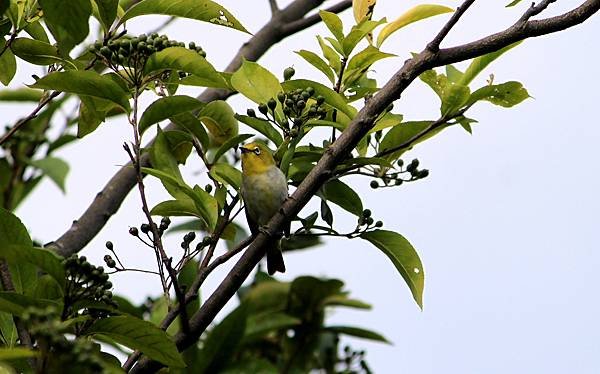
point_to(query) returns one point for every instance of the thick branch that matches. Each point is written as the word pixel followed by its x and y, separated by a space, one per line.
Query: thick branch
pixel 349 138
pixel 108 201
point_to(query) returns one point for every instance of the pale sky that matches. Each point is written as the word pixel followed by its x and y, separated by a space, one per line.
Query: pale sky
pixel 506 224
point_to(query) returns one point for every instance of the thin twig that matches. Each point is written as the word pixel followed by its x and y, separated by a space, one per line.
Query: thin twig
pixel 434 46
pixel 306 22
pixel 534 10
pixel 158 245
pixel 20 123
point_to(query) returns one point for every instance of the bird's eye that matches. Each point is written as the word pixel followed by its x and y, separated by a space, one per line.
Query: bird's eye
pixel 256 151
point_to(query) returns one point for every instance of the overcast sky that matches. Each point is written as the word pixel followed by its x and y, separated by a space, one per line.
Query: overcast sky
pixel 506 225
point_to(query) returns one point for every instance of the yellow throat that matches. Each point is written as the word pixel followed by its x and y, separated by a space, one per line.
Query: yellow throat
pixel 256 158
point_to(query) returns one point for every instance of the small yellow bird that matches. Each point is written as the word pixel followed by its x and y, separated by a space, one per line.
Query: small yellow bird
pixel 264 188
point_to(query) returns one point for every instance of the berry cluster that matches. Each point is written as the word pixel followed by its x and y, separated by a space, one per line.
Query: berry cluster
pixel 354 361
pixel 395 179
pixel 368 221
pixel 190 237
pixel 85 282
pixel 46 327
pixel 134 51
pixel 298 106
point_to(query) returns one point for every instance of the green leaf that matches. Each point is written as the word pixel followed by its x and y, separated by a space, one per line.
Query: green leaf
pixel 506 94
pixel 16 353
pixel 403 256
pixel 404 134
pixel 262 126
pixel 15 303
pixel 167 107
pixel 163 159
pixel 141 335
pixel 454 75
pixel 43 259
pixel 359 32
pixel 342 195
pixel 454 97
pixel 414 14
pixel 226 173
pixel 8 329
pixel 8 64
pixel 183 59
pixel 343 300
pixel 47 288
pixel 437 82
pixel 481 62
pixel 180 144
pixel 513 3
pixel 107 10
pixel 333 23
pixel 35 51
pixel 357 332
pixel 21 94
pixel 12 230
pixel 55 168
pixel 387 121
pixel 201 10
pixel 361 62
pixel 330 55
pixel 316 61
pixel 260 324
pixel 219 119
pixel 192 125
pixel 184 207
pixel 233 142
pixel 326 213
pixel 332 98
pixel 221 342
pixel 68 24
pixel 206 205
pixel 85 83
pixel 256 83
pixel 37 31
pixel 89 116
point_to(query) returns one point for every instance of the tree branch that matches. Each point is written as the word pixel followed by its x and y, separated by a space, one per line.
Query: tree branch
pixel 349 138
pixel 108 201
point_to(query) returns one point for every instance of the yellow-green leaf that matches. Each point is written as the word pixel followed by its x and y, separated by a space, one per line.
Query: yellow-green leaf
pixel 414 14
pixel 362 9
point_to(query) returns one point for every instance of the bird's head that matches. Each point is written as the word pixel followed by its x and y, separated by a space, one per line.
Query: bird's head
pixel 256 158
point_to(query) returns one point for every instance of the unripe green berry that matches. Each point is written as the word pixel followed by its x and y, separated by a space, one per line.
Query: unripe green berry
pixel 301 104
pixel 320 100
pixel 400 162
pixel 414 164
pixel 251 113
pixel 109 245
pixel 192 45
pixel 370 220
pixel 310 91
pixel 105 51
pixel 366 213
pixel 379 224
pixel 305 95
pixel 289 103
pixel 208 188
pixel 374 184
pixel 145 228
pixel 133 231
pixel 272 104
pixel 288 73
pixel 281 97
pixel 423 173
pixel 287 111
pixel 263 109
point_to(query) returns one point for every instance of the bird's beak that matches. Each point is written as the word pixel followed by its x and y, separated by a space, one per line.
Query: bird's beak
pixel 245 150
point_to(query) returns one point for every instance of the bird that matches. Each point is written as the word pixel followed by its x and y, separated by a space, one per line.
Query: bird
pixel 264 188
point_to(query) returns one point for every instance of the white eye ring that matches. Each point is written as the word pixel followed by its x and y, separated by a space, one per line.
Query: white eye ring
pixel 256 151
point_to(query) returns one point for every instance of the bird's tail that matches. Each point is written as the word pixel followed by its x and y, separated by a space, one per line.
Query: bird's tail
pixel 275 259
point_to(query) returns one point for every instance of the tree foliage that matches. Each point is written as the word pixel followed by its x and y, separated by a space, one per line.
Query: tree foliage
pixel 59 313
